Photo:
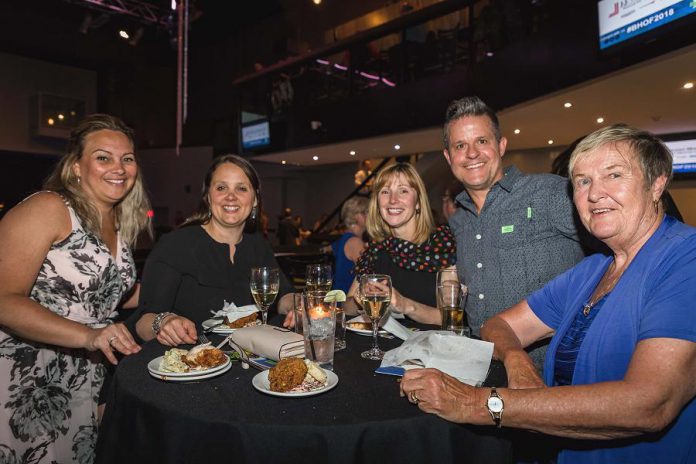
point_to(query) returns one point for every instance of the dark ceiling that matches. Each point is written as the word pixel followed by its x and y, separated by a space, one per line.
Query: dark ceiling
pixel 50 30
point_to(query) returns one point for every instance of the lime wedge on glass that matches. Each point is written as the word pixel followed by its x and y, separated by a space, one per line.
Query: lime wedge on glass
pixel 338 296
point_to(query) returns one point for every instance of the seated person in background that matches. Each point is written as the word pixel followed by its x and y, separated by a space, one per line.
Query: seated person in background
pixel 405 243
pixel 208 261
pixel 619 374
pixel 288 231
pixel 349 246
pixel 65 266
pixel 449 198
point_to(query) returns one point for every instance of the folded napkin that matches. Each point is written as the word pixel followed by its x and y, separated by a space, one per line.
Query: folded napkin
pixel 269 341
pixel 233 312
pixel 464 358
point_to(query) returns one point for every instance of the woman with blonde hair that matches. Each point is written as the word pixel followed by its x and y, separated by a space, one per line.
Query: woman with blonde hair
pixel 405 243
pixel 65 266
pixel 349 246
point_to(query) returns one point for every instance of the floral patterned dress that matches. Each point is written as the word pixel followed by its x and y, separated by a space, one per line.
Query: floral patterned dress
pixel 49 394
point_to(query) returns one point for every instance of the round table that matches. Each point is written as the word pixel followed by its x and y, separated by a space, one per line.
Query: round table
pixel 362 420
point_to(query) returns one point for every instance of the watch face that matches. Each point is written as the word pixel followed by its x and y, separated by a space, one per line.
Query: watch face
pixel 495 404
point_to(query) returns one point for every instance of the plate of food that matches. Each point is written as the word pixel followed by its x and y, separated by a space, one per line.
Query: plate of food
pixel 295 378
pixel 221 325
pixel 201 361
pixel 362 326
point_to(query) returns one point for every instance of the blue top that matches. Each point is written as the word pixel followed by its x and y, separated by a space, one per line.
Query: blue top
pixel 654 298
pixel 567 353
pixel 343 267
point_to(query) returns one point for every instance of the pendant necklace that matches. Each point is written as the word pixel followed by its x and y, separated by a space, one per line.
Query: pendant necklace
pixel 590 304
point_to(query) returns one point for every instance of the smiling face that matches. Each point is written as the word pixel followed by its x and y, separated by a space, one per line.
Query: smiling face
pixel 474 154
pixel 231 196
pixel 612 198
pixel 107 168
pixel 397 202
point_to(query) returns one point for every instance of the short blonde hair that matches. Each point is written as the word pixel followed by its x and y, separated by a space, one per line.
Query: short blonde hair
pixel 377 227
pixel 131 213
pixel 653 156
pixel 351 208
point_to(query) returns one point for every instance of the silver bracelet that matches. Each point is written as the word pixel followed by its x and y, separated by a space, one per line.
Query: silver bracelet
pixel 157 322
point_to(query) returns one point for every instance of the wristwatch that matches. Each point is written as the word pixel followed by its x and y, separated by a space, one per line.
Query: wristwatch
pixel 495 407
pixel 157 322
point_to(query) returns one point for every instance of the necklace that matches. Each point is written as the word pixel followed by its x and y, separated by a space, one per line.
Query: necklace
pixel 602 290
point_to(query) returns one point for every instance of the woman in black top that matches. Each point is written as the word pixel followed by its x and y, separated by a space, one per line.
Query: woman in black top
pixel 206 262
pixel 405 244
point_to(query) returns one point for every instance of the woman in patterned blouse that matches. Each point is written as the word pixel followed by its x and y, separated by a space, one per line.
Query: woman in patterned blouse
pixel 65 266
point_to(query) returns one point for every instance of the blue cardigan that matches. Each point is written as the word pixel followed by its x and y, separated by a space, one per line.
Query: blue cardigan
pixel 655 297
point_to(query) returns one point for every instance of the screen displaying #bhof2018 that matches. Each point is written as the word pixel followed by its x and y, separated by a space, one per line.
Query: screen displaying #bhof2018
pixel 621 20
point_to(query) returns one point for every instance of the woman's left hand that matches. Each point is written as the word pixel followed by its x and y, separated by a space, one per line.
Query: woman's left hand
pixel 289 321
pixel 438 393
pixel 112 338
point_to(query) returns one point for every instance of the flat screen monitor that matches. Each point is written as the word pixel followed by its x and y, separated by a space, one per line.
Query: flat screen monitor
pixel 683 157
pixel 256 134
pixel 622 20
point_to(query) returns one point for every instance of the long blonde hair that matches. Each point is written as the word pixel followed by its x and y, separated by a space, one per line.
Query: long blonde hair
pixel 377 228
pixel 130 214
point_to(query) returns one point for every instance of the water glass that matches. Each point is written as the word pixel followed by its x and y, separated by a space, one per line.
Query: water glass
pixel 451 298
pixel 319 329
pixel 340 342
pixel 298 309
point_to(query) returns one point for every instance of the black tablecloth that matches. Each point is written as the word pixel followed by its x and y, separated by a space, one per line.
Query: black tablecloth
pixel 362 420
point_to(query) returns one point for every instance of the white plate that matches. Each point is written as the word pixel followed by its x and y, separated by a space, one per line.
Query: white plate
pixel 206 375
pixel 154 368
pixel 223 329
pixel 367 332
pixel 261 383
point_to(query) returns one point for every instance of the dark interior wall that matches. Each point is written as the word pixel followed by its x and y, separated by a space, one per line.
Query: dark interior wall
pixel 21 175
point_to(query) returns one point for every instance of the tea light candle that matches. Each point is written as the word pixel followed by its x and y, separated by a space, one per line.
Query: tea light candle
pixel 318 312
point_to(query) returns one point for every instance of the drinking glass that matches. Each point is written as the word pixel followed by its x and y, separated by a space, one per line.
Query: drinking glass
pixel 298 308
pixel 340 342
pixel 319 326
pixel 375 295
pixel 264 284
pixel 451 297
pixel 319 277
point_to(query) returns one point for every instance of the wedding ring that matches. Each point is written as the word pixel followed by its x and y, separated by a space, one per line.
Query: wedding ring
pixel 414 398
pixel 111 340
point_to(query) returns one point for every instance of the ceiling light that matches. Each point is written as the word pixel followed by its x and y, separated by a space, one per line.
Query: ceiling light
pixel 397 147
pixel 315 158
pixel 283 162
pixel 489 54
pixel 567 104
pixel 550 142
pixel 352 153
pixel 60 116
pixel 123 34
pixel 600 120
pixel 51 121
pixel 72 113
pixel 517 131
pixel 688 85
pixel 316 2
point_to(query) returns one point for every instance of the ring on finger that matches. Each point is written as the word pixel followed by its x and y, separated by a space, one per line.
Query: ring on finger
pixel 414 397
pixel 111 340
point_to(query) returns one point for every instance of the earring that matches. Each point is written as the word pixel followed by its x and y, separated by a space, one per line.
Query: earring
pixel 254 212
pixel 418 211
pixel 78 179
pixel 657 207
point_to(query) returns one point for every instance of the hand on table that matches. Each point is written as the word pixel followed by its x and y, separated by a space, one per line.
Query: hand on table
pixel 438 393
pixel 177 330
pixel 112 338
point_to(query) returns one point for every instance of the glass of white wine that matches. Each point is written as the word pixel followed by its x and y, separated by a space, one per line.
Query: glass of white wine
pixel 375 296
pixel 319 278
pixel 264 284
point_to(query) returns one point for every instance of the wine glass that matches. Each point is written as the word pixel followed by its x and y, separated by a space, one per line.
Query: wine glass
pixel 375 295
pixel 318 278
pixel 451 296
pixel 264 283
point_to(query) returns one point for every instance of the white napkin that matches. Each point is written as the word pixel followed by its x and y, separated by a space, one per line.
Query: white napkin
pixel 232 312
pixel 464 358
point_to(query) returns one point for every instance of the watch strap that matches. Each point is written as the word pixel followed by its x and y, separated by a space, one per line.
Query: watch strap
pixel 497 416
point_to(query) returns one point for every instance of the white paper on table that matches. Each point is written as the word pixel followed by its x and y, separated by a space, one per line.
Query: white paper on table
pixel 233 312
pixel 464 358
